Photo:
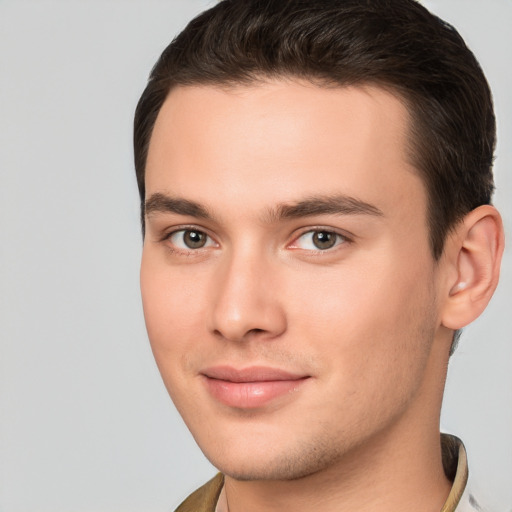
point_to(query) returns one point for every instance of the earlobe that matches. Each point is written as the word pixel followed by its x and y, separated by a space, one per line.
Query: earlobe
pixel 477 253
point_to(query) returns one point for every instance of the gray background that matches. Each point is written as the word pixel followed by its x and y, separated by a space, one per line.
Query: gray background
pixel 85 423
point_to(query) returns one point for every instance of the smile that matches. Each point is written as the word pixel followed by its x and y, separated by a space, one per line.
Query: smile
pixel 250 388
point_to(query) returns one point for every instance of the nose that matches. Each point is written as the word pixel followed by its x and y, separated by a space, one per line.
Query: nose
pixel 247 302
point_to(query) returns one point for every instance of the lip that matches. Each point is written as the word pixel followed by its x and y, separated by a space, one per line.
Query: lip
pixel 249 388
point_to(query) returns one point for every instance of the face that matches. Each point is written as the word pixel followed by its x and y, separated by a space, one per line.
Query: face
pixel 288 285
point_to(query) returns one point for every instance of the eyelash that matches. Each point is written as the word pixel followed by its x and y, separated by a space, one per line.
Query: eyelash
pixel 187 250
pixel 341 239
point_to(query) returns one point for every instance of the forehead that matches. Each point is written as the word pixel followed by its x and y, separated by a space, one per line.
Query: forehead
pixel 277 141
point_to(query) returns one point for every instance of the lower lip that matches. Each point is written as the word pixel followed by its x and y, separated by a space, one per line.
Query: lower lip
pixel 250 395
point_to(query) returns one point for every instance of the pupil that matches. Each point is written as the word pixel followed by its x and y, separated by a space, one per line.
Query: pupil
pixel 194 239
pixel 324 239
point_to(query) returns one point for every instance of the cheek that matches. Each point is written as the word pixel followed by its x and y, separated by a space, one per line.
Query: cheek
pixel 374 347
pixel 173 314
pixel 373 326
pixel 171 311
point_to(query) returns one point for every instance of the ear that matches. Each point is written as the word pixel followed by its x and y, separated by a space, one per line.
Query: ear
pixel 474 255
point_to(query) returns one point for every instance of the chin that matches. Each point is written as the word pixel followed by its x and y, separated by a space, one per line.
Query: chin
pixel 276 463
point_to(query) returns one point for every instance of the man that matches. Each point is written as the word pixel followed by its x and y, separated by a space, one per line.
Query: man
pixel 315 178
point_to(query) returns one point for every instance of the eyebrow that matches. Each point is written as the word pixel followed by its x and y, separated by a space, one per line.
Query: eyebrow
pixel 165 204
pixel 338 204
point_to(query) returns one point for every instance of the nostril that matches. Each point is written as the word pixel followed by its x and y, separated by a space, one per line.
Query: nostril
pixel 239 337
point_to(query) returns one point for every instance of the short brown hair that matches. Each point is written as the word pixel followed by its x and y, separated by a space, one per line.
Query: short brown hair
pixel 396 44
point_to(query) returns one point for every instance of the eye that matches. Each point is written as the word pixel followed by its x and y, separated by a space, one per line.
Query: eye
pixel 318 240
pixel 187 239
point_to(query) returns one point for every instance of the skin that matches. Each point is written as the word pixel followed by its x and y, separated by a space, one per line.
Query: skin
pixel 366 323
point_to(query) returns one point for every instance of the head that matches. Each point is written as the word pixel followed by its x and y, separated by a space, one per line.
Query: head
pixel 314 178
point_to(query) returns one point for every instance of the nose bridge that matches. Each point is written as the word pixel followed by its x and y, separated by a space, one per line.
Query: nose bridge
pixel 246 300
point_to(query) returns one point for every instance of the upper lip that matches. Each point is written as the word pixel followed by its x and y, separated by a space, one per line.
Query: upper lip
pixel 250 374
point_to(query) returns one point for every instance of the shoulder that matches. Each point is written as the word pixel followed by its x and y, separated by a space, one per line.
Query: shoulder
pixel 205 498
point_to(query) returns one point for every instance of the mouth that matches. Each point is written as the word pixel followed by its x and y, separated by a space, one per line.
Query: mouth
pixel 250 388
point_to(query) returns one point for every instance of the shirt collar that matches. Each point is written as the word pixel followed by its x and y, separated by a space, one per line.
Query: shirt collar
pixel 455 464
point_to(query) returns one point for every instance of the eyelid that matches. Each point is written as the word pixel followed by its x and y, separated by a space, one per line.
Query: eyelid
pixel 346 238
pixel 166 237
